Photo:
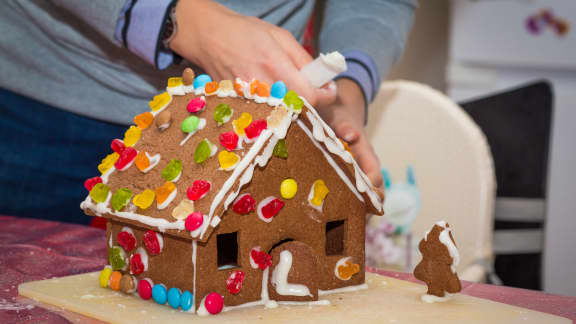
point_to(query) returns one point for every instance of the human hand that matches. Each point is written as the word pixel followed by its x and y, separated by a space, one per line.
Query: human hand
pixel 227 45
pixel 346 117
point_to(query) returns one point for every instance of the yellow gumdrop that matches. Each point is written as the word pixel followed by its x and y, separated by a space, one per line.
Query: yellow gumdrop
pixel 132 135
pixel 108 162
pixel 241 123
pixel 288 188
pixel 227 159
pixel 105 276
pixel 320 191
pixel 159 101
pixel 226 85
pixel 174 82
pixel 184 208
pixel 145 199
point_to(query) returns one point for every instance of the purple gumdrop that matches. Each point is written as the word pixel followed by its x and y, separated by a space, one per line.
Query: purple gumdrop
pixel 533 25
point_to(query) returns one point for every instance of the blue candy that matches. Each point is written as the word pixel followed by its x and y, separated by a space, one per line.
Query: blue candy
pixel 174 297
pixel 201 80
pixel 186 300
pixel 278 90
pixel 159 294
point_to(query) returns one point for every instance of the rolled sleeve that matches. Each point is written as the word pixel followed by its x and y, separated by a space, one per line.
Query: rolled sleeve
pixel 363 70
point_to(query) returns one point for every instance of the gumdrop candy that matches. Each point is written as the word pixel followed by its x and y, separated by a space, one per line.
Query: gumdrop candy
pixel 198 190
pixel 159 294
pixel 277 117
pixel 121 198
pixel 117 258
pixel 114 280
pixel 196 105
pixel 145 288
pixel 117 146
pixel 229 140
pixel 174 297
pixel 347 270
pixel 288 188
pixel 269 207
pixel 108 162
pixel 137 265
pixel 234 282
pixel 214 303
pixel 186 300
pixel 188 76
pixel 255 128
pixel 144 199
pixel 142 161
pixel 153 242
pixel 239 88
pixel 144 120
pixel 159 101
pixel 241 123
pixel 174 82
pixel 194 221
pixel 211 88
pixel 278 90
pixel 253 87
pixel 126 240
pixel 262 259
pixel 184 208
pixel 293 101
pixel 126 157
pixel 201 81
pixel 222 114
pixel 204 150
pixel 105 276
pixel 99 192
pixel 132 135
pixel 228 160
pixel 90 183
pixel 319 192
pixel 128 284
pixel 190 124
pixel 172 171
pixel 244 204
pixel 346 147
pixel 280 149
pixel 262 89
pixel 226 86
pixel 164 191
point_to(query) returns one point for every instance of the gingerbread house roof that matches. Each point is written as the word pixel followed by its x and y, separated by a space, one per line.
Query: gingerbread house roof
pixel 147 181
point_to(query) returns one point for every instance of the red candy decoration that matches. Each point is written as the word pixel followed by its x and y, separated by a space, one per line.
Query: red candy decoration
pixel 261 258
pixel 214 303
pixel 198 190
pixel 118 146
pixel 255 128
pixel 127 156
pixel 145 289
pixel 90 183
pixel 229 140
pixel 136 264
pixel 272 208
pixel 126 240
pixel 194 221
pixel 152 242
pixel 196 105
pixel 234 282
pixel 244 204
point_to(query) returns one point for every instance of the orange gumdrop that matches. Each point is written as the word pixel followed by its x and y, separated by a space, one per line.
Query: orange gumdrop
pixel 238 88
pixel 346 146
pixel 144 120
pixel 142 161
pixel 164 191
pixel 254 86
pixel 115 280
pixel 263 89
pixel 347 270
pixel 211 87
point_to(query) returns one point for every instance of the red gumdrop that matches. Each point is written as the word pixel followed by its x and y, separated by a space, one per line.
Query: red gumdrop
pixel 198 190
pixel 261 258
pixel 194 221
pixel 272 208
pixel 125 158
pixel 136 264
pixel 234 282
pixel 229 140
pixel 152 242
pixel 90 183
pixel 244 204
pixel 214 303
pixel 145 289
pixel 255 128
pixel 118 146
pixel 126 240
pixel 196 105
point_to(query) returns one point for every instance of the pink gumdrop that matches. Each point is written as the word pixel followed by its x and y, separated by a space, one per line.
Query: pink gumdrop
pixel 255 128
pixel 145 289
pixel 118 146
pixel 214 303
pixel 152 242
pixel 90 183
pixel 126 240
pixel 193 221
pixel 196 105
pixel 198 190
pixel 126 157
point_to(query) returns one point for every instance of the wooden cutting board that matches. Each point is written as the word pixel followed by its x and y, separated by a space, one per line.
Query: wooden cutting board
pixel 386 300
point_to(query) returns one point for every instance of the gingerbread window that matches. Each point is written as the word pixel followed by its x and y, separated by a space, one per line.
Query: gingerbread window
pixel 335 237
pixel 227 245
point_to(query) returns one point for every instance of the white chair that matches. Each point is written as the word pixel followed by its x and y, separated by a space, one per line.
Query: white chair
pixel 413 124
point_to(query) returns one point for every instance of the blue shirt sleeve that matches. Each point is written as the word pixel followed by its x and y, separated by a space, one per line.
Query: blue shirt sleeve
pixel 363 70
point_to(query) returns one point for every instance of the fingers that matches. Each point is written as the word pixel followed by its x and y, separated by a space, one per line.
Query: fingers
pixel 368 161
pixel 299 56
pixel 326 95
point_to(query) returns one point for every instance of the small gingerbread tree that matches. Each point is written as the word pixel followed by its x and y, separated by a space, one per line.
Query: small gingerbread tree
pixel 439 260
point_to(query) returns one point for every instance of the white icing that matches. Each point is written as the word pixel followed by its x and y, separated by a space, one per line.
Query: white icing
pixel 197 231
pixel 435 299
pixel 363 286
pixel 154 160
pixel 160 240
pixel 176 91
pixel 144 257
pixel 188 88
pixel 194 254
pixel 199 91
pixel 253 263
pixel 280 278
pixel 129 230
pixel 226 93
pixel 273 102
pixel 202 311
pixel 259 99
pixel 177 177
pixel 215 221
pixel 201 125
pixel 340 262
pixel 110 241
pixel 107 174
pixel 261 205
pixel 168 200
pixel 311 196
pixel 445 239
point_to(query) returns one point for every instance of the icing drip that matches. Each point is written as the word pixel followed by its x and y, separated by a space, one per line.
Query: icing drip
pixel 194 253
pixel 215 221
pixel 202 309
pixel 435 299
pixel 177 91
pixel 201 125
pixel 107 174
pixel 445 239
pixel 154 160
pixel 343 289
pixel 280 278
pixel 144 256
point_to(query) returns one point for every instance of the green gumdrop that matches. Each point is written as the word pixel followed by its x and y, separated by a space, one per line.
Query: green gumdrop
pixel 121 198
pixel 280 149
pixel 292 99
pixel 190 124
pixel 99 192
pixel 222 113
pixel 117 258
pixel 203 151
pixel 172 170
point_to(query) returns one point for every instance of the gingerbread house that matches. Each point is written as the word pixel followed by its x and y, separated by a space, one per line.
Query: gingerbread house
pixel 228 193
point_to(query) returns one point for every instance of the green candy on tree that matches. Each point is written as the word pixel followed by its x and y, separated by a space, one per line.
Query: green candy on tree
pixel 117 258
pixel 99 192
pixel 121 198
pixel 204 150
pixel 222 113
pixel 280 149
pixel 292 100
pixel 172 170
pixel 190 124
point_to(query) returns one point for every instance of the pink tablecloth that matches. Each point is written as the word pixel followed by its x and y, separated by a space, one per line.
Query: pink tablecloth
pixel 34 249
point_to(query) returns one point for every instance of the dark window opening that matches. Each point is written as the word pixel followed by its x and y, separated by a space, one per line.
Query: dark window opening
pixel 280 243
pixel 335 237
pixel 227 250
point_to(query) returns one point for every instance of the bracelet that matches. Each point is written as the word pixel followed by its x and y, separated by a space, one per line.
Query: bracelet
pixel 170 27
